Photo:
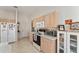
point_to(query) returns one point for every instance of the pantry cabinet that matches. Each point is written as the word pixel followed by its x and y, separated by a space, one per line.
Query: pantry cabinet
pixel 73 42
pixel 47 45
pixel 68 42
pixel 61 42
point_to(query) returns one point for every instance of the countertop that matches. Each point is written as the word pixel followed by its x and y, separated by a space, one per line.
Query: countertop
pixel 73 31
pixel 46 36
pixel 49 37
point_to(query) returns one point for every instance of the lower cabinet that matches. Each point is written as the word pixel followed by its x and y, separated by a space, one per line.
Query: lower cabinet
pixel 43 46
pixel 67 42
pixel 48 45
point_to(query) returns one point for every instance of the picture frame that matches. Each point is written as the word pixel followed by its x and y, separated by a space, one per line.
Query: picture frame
pixel 61 27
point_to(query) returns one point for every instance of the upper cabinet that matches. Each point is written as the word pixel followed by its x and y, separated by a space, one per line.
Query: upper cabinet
pixel 34 23
pixel 41 18
pixel 55 19
pixel 50 20
pixel 47 21
pixel 36 20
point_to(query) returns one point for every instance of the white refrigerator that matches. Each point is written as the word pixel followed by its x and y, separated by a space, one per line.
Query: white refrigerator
pixel 3 35
pixel 11 32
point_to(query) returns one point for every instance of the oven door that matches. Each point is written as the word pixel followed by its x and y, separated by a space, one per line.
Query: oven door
pixel 36 39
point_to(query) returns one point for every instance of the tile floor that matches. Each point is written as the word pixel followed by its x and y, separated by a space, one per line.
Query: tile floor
pixel 21 46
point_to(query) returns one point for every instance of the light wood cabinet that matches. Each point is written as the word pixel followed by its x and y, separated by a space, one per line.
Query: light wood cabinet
pixel 48 46
pixel 43 45
pixel 39 19
pixel 8 20
pixel 47 21
pixel 51 20
pixel 34 23
pixel 55 19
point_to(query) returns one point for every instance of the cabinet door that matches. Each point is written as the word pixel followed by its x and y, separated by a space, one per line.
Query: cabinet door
pixel 48 46
pixel 43 46
pixel 53 46
pixel 34 23
pixel 53 19
pixel 72 42
pixel 61 42
pixel 36 20
pixel 47 21
pixel 41 18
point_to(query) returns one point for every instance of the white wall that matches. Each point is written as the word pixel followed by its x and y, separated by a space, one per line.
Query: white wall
pixel 25 25
pixel 5 14
pixel 68 13
pixel 25 22
pixel 65 12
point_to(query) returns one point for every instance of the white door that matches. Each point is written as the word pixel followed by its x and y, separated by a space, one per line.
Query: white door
pixel 3 33
pixel 61 42
pixel 72 42
pixel 11 32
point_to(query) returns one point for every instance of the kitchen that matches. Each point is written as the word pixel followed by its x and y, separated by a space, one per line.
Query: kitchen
pixel 48 29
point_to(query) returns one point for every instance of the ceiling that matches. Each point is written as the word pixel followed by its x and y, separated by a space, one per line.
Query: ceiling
pixel 7 8
pixel 30 11
pixel 35 10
